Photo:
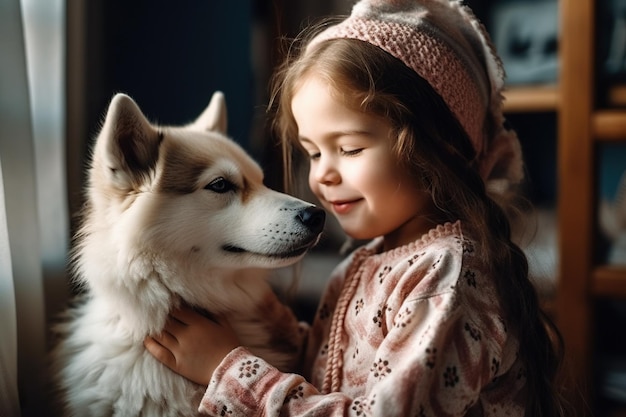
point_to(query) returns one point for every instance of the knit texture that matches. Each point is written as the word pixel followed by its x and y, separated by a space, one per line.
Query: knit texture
pixel 444 43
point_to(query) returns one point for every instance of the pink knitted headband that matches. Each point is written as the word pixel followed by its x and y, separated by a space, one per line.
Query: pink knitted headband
pixel 445 44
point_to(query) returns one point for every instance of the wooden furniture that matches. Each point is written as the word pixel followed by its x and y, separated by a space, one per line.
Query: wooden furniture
pixel 582 127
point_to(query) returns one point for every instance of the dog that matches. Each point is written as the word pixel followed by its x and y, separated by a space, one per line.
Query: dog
pixel 173 215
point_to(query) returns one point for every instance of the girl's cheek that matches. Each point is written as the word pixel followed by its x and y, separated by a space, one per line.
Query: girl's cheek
pixel 314 186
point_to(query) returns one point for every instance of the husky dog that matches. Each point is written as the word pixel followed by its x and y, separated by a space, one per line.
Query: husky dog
pixel 173 215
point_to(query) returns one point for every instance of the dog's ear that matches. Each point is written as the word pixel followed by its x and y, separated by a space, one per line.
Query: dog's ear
pixel 128 144
pixel 214 117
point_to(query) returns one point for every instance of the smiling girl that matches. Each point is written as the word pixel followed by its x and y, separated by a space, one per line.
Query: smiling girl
pixel 399 110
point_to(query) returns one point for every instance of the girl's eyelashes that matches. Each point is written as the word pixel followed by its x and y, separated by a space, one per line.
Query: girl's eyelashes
pixel 351 152
pixel 343 152
pixel 314 152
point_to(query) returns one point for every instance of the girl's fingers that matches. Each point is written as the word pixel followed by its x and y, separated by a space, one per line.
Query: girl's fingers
pixel 174 325
pixel 188 315
pixel 161 353
pixel 165 339
pixel 181 314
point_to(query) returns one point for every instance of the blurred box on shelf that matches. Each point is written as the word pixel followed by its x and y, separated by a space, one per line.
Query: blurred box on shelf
pixel 611 51
pixel 612 204
pixel 525 33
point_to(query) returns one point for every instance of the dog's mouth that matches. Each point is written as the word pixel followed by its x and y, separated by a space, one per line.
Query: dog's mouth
pixel 282 255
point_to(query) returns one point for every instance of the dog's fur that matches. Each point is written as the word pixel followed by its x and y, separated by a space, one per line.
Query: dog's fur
pixel 174 214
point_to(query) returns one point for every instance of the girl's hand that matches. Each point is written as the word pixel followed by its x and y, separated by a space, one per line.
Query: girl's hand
pixel 192 345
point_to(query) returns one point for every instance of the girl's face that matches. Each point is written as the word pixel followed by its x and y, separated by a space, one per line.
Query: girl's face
pixel 353 170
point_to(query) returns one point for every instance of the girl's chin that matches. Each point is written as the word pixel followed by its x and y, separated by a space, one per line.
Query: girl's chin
pixel 356 233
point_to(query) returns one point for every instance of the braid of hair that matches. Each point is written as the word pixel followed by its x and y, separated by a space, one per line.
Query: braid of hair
pixel 332 376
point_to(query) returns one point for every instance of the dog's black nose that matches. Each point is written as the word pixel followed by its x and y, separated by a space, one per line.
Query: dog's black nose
pixel 313 218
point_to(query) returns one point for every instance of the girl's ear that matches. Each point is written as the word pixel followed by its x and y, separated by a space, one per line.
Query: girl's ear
pixel 214 117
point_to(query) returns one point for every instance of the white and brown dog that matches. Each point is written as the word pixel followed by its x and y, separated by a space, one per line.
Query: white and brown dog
pixel 174 214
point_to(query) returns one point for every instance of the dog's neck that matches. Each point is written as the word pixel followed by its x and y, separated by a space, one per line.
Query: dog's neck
pixel 139 298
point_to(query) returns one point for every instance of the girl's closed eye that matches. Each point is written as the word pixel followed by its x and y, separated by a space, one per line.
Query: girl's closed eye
pixel 351 152
pixel 344 152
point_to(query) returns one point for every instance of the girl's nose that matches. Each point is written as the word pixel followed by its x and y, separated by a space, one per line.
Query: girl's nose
pixel 325 172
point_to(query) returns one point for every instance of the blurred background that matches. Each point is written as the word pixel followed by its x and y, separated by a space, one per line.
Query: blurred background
pixel 62 61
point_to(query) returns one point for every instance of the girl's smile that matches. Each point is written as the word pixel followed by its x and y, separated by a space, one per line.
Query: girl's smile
pixel 344 207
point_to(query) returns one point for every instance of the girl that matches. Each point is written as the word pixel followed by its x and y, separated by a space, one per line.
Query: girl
pixel 399 110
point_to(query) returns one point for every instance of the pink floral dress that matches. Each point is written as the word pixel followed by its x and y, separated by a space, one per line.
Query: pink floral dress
pixel 415 331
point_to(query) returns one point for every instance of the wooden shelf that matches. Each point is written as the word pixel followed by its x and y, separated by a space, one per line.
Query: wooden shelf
pixel 617 95
pixel 609 125
pixel 581 127
pixel 531 98
pixel 610 281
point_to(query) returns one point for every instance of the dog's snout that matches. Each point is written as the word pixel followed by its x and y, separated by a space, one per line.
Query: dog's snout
pixel 313 218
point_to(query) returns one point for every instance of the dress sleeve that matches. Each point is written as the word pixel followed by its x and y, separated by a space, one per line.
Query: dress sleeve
pixel 245 385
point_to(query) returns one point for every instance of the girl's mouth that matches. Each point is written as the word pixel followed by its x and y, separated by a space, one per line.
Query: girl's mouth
pixel 343 207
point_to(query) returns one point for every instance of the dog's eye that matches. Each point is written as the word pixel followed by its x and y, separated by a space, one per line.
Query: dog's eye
pixel 220 185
